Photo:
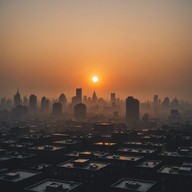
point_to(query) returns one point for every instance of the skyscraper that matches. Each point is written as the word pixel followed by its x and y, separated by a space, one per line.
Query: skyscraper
pixel 44 105
pixel 132 109
pixel 57 108
pixel 79 95
pixel 94 97
pixel 63 100
pixel 113 98
pixel 33 103
pixel 80 112
pixel 17 99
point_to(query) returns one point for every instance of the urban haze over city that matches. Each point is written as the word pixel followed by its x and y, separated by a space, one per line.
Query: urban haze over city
pixel 95 95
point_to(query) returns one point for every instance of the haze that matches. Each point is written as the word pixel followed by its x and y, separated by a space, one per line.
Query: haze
pixel 136 47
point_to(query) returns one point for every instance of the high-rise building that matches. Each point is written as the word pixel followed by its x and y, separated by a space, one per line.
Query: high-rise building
pixel 25 101
pixel 132 109
pixel 166 102
pixel 80 112
pixel 113 98
pixel 44 105
pixel 57 108
pixel 79 95
pixel 17 99
pixel 63 101
pixel 33 103
pixel 94 97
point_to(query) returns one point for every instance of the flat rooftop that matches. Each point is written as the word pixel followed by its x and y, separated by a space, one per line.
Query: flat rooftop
pixel 173 170
pixel 95 153
pixel 136 150
pixel 85 164
pixel 130 184
pixel 54 185
pixel 122 157
pixel 18 175
pixel 105 144
pixel 46 148
pixel 149 164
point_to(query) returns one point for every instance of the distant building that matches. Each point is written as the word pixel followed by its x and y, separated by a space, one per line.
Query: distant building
pixel 33 103
pixel 25 101
pixel 57 108
pixel 44 104
pixel 63 100
pixel 17 99
pixel 79 95
pixel 94 97
pixel 80 112
pixel 132 109
pixel 166 103
pixel 113 98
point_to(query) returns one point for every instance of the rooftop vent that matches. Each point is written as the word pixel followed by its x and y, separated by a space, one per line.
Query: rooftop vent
pixel 48 147
pixel 12 175
pixel 132 184
pixel 54 187
pixel 93 166
pixel 80 162
pixel 115 156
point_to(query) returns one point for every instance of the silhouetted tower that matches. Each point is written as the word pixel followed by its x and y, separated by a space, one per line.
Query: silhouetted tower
pixel 79 95
pixel 155 103
pixel 80 112
pixel 25 101
pixel 17 99
pixel 113 98
pixel 175 104
pixel 57 108
pixel 94 97
pixel 44 104
pixel 132 109
pixel 166 102
pixel 63 100
pixel 33 103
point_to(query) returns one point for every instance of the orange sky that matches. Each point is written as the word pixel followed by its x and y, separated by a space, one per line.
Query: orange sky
pixel 138 48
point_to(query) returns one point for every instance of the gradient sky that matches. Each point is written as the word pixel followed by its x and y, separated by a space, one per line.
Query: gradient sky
pixel 136 47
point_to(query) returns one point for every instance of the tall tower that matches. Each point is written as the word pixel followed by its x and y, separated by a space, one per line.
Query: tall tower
pixel 94 97
pixel 63 101
pixel 132 109
pixel 17 99
pixel 33 103
pixel 79 95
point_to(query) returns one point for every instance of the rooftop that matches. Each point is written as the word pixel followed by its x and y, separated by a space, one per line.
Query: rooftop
pixel 136 150
pixel 134 184
pixel 176 170
pixel 53 185
pixel 85 164
pixel 18 175
pixel 149 163
pixel 123 157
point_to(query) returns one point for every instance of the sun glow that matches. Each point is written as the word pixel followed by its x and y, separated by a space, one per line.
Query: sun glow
pixel 95 79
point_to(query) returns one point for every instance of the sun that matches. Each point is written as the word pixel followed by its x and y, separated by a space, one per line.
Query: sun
pixel 95 79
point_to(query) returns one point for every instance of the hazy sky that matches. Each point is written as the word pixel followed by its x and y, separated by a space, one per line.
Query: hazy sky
pixel 136 47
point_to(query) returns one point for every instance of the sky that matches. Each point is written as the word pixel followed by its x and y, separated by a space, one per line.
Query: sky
pixel 135 47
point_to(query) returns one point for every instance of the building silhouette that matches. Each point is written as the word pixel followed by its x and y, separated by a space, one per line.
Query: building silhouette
pixel 17 99
pixel 94 97
pixel 79 95
pixel 63 100
pixel 33 103
pixel 44 104
pixel 132 109
pixel 80 112
pixel 113 98
pixel 57 108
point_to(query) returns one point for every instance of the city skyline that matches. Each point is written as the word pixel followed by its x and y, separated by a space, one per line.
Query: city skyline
pixel 138 48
